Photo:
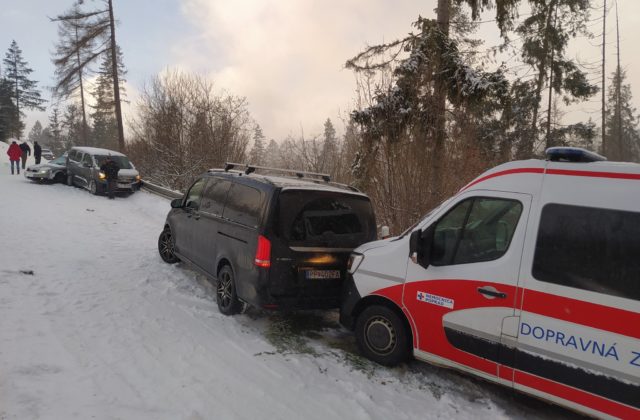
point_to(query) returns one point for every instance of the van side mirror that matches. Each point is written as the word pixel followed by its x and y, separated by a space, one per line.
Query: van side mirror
pixel 176 203
pixel 420 246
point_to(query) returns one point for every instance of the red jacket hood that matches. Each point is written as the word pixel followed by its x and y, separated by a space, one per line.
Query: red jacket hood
pixel 14 152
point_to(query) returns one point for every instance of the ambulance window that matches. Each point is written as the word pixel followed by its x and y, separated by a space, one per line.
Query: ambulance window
pixel 476 230
pixel 589 248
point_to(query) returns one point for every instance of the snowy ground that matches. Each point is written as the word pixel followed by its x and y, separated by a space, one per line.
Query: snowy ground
pixel 103 329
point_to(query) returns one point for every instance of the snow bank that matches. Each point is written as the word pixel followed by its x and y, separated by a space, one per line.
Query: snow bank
pixel 103 329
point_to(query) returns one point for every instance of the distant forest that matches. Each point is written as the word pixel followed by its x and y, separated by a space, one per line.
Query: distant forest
pixel 435 108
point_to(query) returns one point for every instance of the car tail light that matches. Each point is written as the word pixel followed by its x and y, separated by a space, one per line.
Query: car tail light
pixel 263 252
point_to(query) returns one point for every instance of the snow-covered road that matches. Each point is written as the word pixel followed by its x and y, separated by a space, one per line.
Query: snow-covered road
pixel 104 329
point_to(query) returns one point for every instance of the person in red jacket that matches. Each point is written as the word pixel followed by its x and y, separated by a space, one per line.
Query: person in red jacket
pixel 14 153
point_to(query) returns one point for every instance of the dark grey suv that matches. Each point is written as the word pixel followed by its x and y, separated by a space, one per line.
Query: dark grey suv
pixel 268 241
pixel 83 170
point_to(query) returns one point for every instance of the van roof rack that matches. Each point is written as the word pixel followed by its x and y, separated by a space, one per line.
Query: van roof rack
pixel 572 154
pixel 248 169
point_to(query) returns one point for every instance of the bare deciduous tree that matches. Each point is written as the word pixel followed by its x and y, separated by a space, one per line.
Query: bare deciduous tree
pixel 183 128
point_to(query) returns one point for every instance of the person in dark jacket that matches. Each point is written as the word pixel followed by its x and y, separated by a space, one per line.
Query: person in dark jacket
pixel 26 151
pixel 37 152
pixel 14 153
pixel 110 169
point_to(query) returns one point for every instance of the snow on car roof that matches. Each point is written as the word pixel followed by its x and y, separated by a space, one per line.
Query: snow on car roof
pixel 97 151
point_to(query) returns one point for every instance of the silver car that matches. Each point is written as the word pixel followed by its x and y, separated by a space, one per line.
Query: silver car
pixel 52 171
pixel 47 154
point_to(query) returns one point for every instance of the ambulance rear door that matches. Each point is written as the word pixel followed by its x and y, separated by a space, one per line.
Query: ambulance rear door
pixel 579 332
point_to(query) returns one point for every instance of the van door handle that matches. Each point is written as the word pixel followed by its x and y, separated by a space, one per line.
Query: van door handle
pixel 491 292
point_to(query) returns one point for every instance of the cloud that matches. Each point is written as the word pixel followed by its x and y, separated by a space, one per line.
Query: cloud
pixel 287 56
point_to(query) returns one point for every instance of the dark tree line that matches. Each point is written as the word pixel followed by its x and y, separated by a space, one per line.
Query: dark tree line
pixel 17 93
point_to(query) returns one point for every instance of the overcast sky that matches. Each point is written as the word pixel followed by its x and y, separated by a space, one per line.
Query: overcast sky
pixel 285 56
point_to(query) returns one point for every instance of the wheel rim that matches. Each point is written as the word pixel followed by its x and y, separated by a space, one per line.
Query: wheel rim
pixel 380 335
pixel 166 246
pixel 224 289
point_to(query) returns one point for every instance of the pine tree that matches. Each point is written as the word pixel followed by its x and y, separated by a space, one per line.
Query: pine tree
pixel 272 154
pixel 72 124
pixel 546 34
pixel 97 27
pixel 257 153
pixel 25 93
pixel 55 131
pixel 9 119
pixel 73 52
pixel 622 121
pixel 36 132
pixel 329 149
pixel 105 126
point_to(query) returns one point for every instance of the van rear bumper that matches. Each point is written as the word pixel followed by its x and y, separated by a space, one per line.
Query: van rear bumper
pixel 301 302
pixel 260 291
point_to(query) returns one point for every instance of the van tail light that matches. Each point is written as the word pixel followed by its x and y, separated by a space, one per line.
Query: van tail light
pixel 263 253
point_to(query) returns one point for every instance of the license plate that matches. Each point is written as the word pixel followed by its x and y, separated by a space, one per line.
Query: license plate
pixel 124 185
pixel 322 274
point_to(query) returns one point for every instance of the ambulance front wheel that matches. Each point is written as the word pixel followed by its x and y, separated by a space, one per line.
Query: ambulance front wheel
pixel 382 336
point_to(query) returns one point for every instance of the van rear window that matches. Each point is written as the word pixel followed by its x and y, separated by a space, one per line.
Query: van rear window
pixel 325 219
pixel 589 248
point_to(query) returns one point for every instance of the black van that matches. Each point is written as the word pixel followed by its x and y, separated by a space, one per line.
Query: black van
pixel 270 241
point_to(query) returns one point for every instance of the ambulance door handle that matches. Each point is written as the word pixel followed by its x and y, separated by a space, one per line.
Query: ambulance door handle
pixel 491 292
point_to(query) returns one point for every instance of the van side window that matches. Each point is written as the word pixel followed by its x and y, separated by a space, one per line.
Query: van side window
pixel 195 193
pixel 86 160
pixel 476 230
pixel 215 195
pixel 589 248
pixel 243 205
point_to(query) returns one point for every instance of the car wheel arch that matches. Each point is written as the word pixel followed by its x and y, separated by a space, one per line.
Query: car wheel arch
pixel 371 300
pixel 222 261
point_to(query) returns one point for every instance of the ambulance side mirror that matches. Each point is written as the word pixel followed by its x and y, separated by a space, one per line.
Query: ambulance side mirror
pixel 420 246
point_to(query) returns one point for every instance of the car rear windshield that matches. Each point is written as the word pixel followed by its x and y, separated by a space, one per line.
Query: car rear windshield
pixel 325 219
pixel 122 161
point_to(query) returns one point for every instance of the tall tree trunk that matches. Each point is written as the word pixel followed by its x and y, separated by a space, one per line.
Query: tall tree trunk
pixel 605 146
pixel 622 153
pixel 443 13
pixel 548 138
pixel 526 151
pixel 15 64
pixel 116 82
pixel 84 112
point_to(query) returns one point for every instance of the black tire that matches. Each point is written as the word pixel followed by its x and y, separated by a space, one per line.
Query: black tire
pixel 93 187
pixel 59 177
pixel 226 297
pixel 382 336
pixel 166 247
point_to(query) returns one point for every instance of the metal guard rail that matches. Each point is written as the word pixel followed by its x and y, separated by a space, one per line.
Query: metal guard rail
pixel 161 191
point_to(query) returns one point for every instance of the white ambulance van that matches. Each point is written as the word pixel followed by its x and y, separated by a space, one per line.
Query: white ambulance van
pixel 528 277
